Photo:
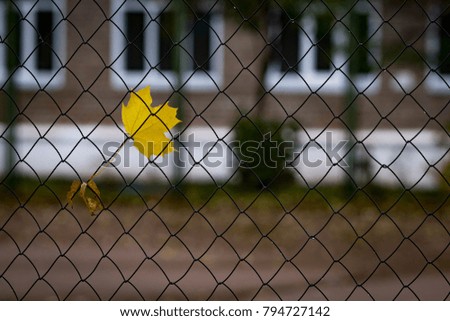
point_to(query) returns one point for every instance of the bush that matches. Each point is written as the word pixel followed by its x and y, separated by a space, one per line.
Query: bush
pixel 263 153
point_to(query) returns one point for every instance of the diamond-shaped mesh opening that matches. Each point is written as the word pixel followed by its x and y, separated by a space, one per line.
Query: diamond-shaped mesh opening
pixel 312 161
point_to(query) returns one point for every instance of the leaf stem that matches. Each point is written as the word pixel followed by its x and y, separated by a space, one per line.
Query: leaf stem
pixel 105 164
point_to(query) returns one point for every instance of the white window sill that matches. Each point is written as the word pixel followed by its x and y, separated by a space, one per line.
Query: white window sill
pixel 324 82
pixel 31 80
pixel 198 82
pixel 402 81
pixel 438 83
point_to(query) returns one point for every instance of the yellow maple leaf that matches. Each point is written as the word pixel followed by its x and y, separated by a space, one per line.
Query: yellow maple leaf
pixel 147 125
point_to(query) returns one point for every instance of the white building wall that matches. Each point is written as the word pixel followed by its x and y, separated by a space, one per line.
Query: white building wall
pixel 66 151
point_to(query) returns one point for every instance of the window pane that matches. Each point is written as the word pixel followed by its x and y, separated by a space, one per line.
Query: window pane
pixel 323 38
pixel 359 26
pixel 167 33
pixel 202 43
pixel 44 40
pixel 134 22
pixel 287 44
pixel 444 52
pixel 13 41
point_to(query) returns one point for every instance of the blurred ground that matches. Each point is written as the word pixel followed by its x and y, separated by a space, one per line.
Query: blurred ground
pixel 201 243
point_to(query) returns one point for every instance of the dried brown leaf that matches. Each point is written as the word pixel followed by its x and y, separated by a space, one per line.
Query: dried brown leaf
pixel 92 204
pixel 91 184
pixel 74 188
pixel 83 190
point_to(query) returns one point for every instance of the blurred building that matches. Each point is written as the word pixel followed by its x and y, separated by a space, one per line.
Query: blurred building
pixel 72 63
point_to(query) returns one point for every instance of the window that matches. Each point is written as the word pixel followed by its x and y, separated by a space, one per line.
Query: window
pixel 196 48
pixel 44 40
pixel 201 41
pixel 316 51
pixel 166 34
pixel 305 54
pixel 364 46
pixel 438 49
pixel 41 44
pixel 444 45
pixel 145 46
pixel 324 41
pixel 359 62
pixel 135 51
pixel 286 45
pixel 3 46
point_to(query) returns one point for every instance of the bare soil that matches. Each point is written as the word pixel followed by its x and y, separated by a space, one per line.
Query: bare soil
pixel 220 248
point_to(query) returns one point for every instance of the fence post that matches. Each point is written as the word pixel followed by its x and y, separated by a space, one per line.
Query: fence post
pixel 351 119
pixel 10 89
pixel 180 25
pixel 352 124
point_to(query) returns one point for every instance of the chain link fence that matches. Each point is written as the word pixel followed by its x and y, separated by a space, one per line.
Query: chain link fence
pixel 312 161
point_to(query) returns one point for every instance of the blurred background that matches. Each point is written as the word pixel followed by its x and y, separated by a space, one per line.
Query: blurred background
pixel 312 161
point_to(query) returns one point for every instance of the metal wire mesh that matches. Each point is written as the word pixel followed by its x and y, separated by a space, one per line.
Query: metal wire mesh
pixel 312 159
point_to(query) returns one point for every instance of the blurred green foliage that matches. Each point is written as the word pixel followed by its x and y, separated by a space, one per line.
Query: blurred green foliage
pixel 263 153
